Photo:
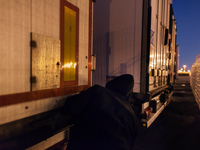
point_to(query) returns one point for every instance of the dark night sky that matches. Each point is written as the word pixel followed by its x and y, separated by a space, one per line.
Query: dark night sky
pixel 187 14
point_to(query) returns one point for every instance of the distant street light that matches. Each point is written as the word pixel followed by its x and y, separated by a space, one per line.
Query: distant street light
pixel 184 66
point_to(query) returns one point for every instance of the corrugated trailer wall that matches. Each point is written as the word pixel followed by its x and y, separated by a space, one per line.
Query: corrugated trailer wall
pixel 159 46
pixel 18 20
pixel 15 27
pixel 173 51
pixel 30 53
pixel 117 44
pixel 100 44
pixel 137 37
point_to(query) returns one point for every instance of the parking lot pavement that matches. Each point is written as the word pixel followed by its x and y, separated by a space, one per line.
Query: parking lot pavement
pixel 177 127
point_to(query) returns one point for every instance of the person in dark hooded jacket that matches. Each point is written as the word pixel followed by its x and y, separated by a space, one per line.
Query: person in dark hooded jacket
pixel 103 118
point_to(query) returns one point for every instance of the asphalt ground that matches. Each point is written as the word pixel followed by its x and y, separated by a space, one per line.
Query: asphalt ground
pixel 177 127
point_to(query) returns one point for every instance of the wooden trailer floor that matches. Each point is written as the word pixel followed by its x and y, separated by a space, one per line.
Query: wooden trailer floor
pixel 177 127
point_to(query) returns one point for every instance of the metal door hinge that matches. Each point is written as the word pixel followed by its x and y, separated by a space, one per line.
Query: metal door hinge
pixel 33 79
pixel 33 43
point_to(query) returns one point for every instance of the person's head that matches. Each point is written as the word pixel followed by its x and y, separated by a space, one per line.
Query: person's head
pixel 122 85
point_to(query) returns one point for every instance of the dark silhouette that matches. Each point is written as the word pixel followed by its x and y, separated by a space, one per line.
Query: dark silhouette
pixel 103 118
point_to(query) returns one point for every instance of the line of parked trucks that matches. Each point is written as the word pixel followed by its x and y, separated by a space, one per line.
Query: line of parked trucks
pixel 106 38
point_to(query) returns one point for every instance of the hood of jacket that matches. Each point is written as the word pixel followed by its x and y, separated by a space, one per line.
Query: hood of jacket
pixel 122 85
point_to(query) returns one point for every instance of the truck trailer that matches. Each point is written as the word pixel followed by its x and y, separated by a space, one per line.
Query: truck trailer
pixel 137 37
pixel 45 56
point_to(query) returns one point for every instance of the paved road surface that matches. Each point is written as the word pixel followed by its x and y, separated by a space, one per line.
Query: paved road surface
pixel 177 127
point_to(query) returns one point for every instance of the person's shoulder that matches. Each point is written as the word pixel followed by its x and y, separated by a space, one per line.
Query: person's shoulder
pixel 97 88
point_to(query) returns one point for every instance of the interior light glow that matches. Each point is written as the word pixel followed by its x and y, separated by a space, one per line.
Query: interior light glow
pixel 70 65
